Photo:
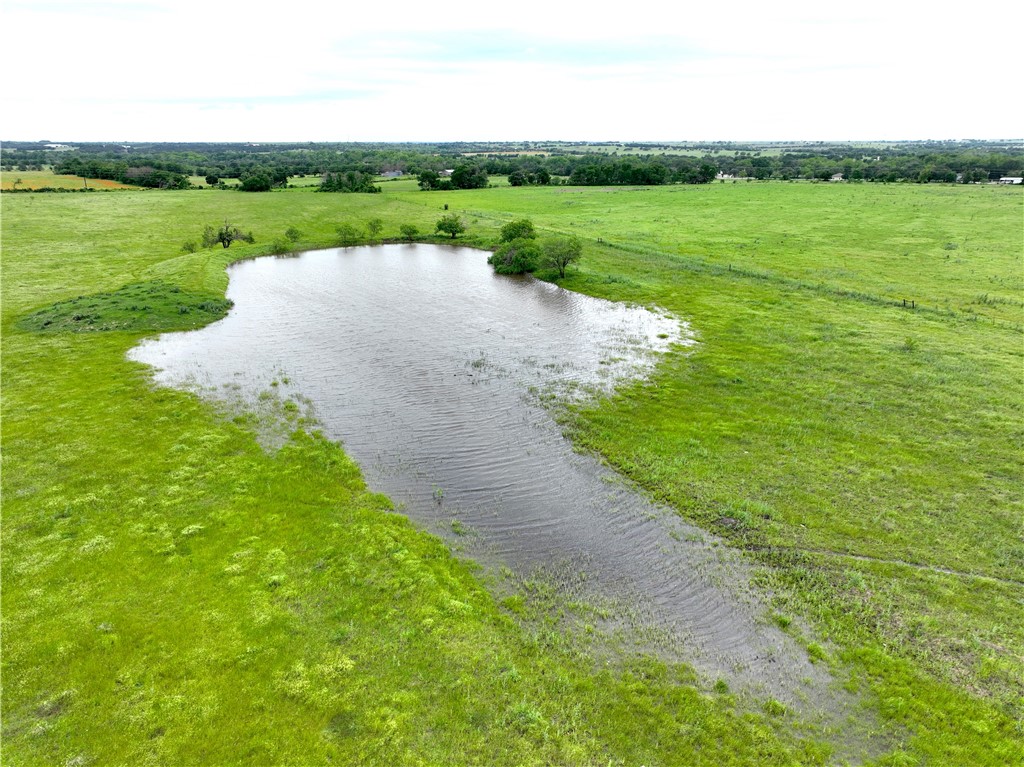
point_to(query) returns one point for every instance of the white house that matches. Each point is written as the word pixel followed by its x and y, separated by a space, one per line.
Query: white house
pixel 1011 180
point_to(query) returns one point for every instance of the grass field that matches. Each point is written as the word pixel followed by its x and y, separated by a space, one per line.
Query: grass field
pixel 173 594
pixel 39 179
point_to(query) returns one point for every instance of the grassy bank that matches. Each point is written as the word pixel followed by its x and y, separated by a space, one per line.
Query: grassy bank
pixel 174 594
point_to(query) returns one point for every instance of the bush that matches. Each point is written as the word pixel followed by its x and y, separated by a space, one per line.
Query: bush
pixel 409 231
pixel 517 257
pixel 516 230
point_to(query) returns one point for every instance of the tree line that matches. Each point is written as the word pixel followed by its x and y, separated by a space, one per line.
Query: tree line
pixel 353 167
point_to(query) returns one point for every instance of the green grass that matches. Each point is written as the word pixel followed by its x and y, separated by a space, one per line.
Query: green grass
pixel 175 594
pixel 142 306
pixel 38 179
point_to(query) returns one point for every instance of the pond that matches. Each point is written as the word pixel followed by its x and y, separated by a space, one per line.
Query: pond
pixel 439 377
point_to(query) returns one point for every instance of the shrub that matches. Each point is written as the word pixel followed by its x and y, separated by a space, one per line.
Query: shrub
pixel 516 257
pixel 409 231
pixel 517 230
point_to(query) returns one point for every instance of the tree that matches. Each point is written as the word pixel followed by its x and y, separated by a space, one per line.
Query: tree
pixel 516 257
pixel 450 224
pixel 212 180
pixel 257 181
pixel 347 234
pixel 519 229
pixel 349 181
pixel 467 176
pixel 374 227
pixel 409 231
pixel 562 251
pixel 706 173
pixel 293 234
pixel 226 235
pixel 429 179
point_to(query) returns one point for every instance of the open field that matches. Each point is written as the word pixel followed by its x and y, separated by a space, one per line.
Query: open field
pixel 174 594
pixel 39 179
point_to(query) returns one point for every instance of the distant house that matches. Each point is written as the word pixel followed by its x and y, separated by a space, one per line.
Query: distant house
pixel 837 177
pixel 447 172
pixel 1011 180
pixel 59 147
pixel 723 176
pixel 392 174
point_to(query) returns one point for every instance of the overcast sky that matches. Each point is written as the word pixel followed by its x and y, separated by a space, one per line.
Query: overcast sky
pixel 209 70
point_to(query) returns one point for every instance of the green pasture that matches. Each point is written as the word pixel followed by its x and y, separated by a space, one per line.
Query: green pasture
pixel 174 594
pixel 39 179
pixel 200 181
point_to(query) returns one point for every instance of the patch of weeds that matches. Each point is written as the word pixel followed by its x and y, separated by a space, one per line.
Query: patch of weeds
pixel 525 718
pixel 772 707
pixel 815 652
pixel 154 305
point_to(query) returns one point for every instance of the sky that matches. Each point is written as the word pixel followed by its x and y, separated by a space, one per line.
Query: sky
pixel 449 70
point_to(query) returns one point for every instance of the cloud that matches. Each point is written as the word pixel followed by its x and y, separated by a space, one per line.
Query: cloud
pixel 462 70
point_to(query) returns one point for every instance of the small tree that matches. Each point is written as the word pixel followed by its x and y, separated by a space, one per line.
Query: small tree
pixel 562 251
pixel 518 230
pixel 374 227
pixel 227 234
pixel 212 180
pixel 409 231
pixel 450 224
pixel 347 234
pixel 293 234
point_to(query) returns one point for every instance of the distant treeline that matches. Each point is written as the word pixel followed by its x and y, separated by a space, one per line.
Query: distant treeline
pixel 153 172
pixel 350 167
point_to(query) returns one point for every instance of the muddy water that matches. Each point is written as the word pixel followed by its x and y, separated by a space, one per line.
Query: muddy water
pixel 432 371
